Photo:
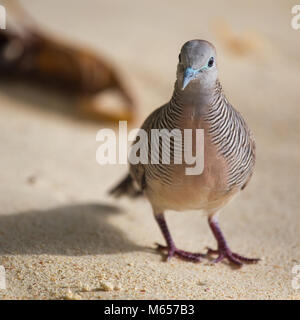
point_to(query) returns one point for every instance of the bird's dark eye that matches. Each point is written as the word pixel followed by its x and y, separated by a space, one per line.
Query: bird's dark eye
pixel 179 58
pixel 210 62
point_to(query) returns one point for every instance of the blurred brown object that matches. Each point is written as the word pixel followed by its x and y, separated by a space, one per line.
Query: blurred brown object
pixel 29 54
pixel 240 45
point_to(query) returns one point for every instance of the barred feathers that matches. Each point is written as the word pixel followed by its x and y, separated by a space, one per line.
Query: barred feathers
pixel 230 133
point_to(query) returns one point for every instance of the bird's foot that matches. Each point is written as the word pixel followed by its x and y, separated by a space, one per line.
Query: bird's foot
pixel 226 253
pixel 184 255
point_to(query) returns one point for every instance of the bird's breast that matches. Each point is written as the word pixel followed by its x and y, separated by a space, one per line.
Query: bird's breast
pixel 183 191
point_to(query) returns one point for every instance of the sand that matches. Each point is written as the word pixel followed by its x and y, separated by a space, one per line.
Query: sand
pixel 62 237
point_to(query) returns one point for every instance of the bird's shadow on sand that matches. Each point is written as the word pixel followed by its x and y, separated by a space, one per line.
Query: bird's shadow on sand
pixel 72 230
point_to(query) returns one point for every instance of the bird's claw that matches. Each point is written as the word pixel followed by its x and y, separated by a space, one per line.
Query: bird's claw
pixel 185 255
pixel 234 258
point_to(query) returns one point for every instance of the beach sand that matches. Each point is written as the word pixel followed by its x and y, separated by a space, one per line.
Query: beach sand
pixel 62 237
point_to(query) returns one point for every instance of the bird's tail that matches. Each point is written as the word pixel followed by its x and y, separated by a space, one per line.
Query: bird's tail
pixel 126 188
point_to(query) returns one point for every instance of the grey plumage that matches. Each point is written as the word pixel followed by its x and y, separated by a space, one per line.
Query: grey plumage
pixel 229 150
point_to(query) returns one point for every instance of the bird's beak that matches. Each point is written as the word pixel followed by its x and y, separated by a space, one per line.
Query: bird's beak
pixel 189 74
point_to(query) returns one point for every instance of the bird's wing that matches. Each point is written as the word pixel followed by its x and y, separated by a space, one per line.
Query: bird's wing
pixel 137 171
pixel 253 149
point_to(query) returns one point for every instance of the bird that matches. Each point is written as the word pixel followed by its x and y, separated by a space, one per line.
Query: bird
pixel 198 102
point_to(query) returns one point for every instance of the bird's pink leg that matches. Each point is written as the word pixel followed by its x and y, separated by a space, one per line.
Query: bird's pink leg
pixel 223 250
pixel 170 247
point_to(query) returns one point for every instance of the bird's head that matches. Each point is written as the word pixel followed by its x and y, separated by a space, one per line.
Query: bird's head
pixel 197 63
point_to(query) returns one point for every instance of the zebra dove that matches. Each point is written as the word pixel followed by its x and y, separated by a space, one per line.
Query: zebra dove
pixel 198 101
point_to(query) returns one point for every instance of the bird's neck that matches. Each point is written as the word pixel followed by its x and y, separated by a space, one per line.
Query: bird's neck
pixel 196 96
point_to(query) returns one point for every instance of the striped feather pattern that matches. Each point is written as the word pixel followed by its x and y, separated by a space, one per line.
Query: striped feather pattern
pixel 230 133
pixel 167 117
